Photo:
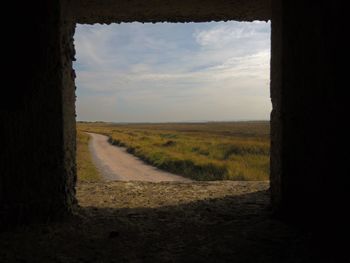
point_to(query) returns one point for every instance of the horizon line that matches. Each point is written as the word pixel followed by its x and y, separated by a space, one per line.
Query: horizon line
pixel 194 121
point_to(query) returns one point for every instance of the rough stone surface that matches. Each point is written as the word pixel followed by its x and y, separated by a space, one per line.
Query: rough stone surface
pixel 308 186
pixel 276 113
pixel 305 76
pixel 114 11
pixel 37 146
pixel 38 172
pixel 163 222
pixel 37 154
pixel 135 194
pixel 68 106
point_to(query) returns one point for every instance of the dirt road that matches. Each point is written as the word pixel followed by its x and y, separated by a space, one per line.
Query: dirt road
pixel 114 163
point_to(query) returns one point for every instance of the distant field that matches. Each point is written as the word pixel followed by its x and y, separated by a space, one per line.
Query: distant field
pixel 85 168
pixel 200 151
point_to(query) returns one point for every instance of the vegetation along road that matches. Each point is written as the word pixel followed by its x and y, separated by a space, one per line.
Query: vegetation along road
pixel 114 163
pixel 236 151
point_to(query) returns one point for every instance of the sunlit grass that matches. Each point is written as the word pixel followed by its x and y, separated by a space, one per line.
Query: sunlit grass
pixel 86 170
pixel 203 151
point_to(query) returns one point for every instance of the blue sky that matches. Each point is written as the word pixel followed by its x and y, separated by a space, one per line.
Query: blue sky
pixel 134 72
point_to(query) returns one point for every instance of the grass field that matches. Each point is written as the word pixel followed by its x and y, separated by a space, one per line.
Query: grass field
pixel 200 151
pixel 86 170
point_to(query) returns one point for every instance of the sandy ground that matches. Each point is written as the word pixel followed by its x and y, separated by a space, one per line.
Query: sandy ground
pixel 114 163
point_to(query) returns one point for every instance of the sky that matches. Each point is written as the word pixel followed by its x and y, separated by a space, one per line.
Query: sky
pixel 173 72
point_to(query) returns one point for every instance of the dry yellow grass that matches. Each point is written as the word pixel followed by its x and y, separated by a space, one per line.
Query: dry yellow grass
pixel 85 168
pixel 200 151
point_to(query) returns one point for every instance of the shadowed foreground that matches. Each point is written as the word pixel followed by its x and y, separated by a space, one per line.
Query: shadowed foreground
pixel 162 222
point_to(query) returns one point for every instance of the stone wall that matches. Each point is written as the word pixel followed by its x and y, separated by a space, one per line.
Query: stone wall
pixel 37 167
pixel 38 173
pixel 37 164
pixel 114 11
pixel 308 165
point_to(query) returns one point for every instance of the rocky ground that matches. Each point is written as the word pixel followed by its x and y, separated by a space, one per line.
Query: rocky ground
pixel 222 221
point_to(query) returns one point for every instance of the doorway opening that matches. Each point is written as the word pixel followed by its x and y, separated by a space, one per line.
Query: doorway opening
pixel 190 99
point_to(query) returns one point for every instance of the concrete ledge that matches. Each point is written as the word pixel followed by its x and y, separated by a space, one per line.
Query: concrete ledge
pixel 114 11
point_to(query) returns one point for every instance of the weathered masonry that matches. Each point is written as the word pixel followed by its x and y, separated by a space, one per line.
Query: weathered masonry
pixel 37 164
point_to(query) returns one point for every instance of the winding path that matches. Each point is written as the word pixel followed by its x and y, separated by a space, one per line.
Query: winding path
pixel 114 163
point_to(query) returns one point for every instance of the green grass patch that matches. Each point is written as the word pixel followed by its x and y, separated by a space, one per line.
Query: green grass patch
pixel 86 170
pixel 200 151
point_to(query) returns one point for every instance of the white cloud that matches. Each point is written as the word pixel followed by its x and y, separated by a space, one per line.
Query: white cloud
pixel 225 34
pixel 173 72
pixel 220 36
